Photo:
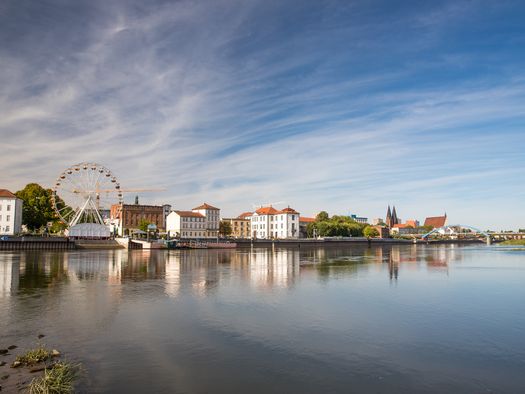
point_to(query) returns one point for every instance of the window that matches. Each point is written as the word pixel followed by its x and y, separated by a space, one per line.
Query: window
pixel 8 207
pixel 293 217
pixel 8 218
pixel 7 227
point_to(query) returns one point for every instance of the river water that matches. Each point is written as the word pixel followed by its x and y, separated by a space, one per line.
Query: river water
pixel 390 319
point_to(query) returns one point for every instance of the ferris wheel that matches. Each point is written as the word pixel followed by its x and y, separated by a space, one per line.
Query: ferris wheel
pixel 82 191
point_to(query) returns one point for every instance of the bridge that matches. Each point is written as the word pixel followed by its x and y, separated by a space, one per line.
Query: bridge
pixel 451 231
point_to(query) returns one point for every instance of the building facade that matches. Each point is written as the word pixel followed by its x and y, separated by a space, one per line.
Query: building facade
pixel 186 224
pixel 359 219
pixel 270 223
pixel 213 218
pixel 303 226
pixel 127 217
pixel 10 213
pixel 240 227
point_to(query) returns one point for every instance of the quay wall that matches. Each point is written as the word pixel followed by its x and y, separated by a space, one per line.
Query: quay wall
pixel 37 243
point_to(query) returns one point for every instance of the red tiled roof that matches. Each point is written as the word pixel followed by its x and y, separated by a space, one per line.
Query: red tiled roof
pixel 206 206
pixel 6 193
pixel 244 215
pixel 436 221
pixel 306 220
pixel 267 211
pixel 189 214
pixel 289 210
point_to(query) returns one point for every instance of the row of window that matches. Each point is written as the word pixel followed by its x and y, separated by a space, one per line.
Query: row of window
pixel 192 219
pixel 192 234
pixel 8 207
pixel 6 229
pixel 197 225
pixel 7 218
pixel 263 226
pixel 272 218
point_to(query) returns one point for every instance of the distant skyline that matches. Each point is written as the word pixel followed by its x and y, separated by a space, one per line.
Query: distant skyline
pixel 343 106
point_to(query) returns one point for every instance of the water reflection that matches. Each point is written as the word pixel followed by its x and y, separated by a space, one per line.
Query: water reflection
pixel 262 268
pixel 399 318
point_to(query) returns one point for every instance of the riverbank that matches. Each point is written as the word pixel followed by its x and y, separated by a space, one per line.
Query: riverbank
pixel 36 370
pixel 62 243
pixel 515 242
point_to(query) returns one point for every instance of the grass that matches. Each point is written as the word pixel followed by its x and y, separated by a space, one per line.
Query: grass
pixel 58 379
pixel 35 356
pixel 514 242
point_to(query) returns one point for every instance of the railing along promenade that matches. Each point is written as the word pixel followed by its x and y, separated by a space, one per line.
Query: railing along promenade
pixel 37 243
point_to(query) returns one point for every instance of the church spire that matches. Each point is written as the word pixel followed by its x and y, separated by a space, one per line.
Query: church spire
pixel 388 217
pixel 394 216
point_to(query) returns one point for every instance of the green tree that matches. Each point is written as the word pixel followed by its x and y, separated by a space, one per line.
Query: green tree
pixel 370 232
pixel 225 228
pixel 143 224
pixel 322 216
pixel 37 209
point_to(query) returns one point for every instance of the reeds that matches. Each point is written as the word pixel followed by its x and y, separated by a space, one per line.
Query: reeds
pixel 59 378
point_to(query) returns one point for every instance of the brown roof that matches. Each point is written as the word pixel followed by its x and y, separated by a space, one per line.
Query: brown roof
pixel 436 221
pixel 306 220
pixel 245 215
pixel 206 206
pixel 6 193
pixel 189 214
pixel 267 211
pixel 289 210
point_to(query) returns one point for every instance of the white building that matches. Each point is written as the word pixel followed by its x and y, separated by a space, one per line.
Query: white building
pixel 186 224
pixel 213 218
pixel 270 223
pixel 10 213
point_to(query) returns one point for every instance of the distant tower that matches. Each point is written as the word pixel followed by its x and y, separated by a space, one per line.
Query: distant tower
pixel 395 220
pixel 136 200
pixel 388 220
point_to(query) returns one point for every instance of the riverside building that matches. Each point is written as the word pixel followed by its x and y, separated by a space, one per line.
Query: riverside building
pixel 213 218
pixel 270 223
pixel 10 213
pixel 199 223
pixel 186 224
pixel 241 227
pixel 127 217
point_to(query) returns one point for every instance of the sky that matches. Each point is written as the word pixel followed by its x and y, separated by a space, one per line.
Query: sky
pixel 343 106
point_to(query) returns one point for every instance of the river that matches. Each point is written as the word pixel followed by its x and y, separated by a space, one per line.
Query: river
pixel 385 319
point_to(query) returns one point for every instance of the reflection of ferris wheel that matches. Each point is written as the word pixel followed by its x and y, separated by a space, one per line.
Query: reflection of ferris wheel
pixel 82 190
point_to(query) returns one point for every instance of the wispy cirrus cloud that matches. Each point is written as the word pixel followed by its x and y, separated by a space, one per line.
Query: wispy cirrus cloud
pixel 343 107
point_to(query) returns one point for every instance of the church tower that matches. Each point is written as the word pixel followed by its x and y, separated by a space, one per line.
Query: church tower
pixel 388 220
pixel 395 220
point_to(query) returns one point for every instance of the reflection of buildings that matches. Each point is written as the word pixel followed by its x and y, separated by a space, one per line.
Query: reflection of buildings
pixel 270 268
pixel 202 271
pixel 9 275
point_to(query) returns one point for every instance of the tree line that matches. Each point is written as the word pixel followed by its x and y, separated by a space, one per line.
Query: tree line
pixel 338 226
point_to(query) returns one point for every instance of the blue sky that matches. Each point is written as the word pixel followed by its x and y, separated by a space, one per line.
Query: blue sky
pixel 344 106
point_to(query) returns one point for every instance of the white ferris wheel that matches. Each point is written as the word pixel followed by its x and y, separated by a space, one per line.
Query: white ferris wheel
pixel 82 191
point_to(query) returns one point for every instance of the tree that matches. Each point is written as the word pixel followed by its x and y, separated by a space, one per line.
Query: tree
pixel 37 209
pixel 322 217
pixel 143 224
pixel 225 228
pixel 370 232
